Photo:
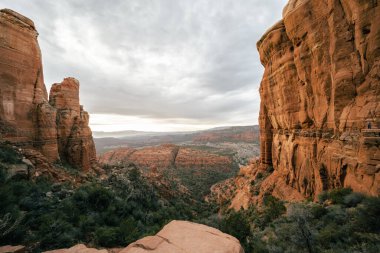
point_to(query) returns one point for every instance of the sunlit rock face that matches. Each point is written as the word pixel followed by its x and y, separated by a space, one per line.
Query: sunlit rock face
pixel 75 143
pixel 58 129
pixel 320 90
pixel 186 237
pixel 22 91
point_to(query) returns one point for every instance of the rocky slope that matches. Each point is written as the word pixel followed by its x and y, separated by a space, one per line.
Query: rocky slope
pixel 320 89
pixel 57 128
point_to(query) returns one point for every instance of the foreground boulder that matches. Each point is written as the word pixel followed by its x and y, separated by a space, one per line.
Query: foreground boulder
pixel 175 237
pixel 320 94
pixel 186 237
pixel 57 128
pixel 79 248
pixel 12 249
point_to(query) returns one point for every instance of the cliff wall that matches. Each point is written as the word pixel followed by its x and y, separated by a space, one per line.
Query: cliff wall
pixel 57 128
pixel 319 93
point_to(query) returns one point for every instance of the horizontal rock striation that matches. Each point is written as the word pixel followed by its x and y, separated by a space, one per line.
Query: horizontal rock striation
pixel 319 94
pixel 57 128
pixel 167 156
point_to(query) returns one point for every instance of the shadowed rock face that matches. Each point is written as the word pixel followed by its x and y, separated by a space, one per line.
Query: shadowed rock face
pixel 59 128
pixel 320 89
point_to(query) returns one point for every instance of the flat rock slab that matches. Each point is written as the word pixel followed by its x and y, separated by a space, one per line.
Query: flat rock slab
pixel 12 249
pixel 186 237
pixel 79 248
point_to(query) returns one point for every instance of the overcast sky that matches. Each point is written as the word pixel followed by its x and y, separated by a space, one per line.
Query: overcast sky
pixel 156 65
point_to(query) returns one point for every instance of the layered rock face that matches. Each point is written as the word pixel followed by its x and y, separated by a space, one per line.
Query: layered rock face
pixel 21 77
pixel 159 157
pixel 59 128
pixel 319 93
pixel 167 156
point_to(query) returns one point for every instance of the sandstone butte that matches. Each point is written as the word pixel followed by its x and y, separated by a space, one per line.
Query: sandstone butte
pixel 320 89
pixel 56 127
pixel 175 237
pixel 166 156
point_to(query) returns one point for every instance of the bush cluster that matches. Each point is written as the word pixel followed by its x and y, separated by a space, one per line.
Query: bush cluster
pixel 112 213
pixel 349 224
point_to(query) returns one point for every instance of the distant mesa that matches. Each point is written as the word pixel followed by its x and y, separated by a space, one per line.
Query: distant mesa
pixel 56 126
pixel 167 156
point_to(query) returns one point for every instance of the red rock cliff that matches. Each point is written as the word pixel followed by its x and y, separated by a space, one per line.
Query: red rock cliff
pixel 320 89
pixel 59 128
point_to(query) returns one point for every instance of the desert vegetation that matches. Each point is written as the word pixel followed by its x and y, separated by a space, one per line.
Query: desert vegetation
pixel 126 206
pixel 341 221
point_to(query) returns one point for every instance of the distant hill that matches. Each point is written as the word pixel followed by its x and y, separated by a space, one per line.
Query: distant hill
pixel 105 141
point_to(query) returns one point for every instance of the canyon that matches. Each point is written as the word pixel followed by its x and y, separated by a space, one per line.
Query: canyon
pixel 56 126
pixel 319 131
pixel 194 169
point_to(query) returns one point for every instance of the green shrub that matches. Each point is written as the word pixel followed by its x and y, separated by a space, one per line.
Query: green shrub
pixel 237 225
pixel 273 209
pixel 353 199
pixel 318 211
pixel 322 197
pixel 337 195
pixel 9 155
pixel 107 236
pixel 367 216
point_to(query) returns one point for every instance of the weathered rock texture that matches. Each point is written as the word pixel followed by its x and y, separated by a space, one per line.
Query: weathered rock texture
pixel 320 89
pixel 12 249
pixel 186 237
pixel 79 248
pixel 75 143
pixel 59 128
pixel 175 237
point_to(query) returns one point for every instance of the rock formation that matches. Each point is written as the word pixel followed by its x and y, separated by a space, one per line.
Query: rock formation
pixel 79 248
pixel 166 156
pixel 175 237
pixel 319 93
pixel 59 128
pixel 75 143
pixel 12 249
pixel 184 236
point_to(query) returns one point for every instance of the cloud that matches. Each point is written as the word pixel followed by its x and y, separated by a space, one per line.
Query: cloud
pixel 164 60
